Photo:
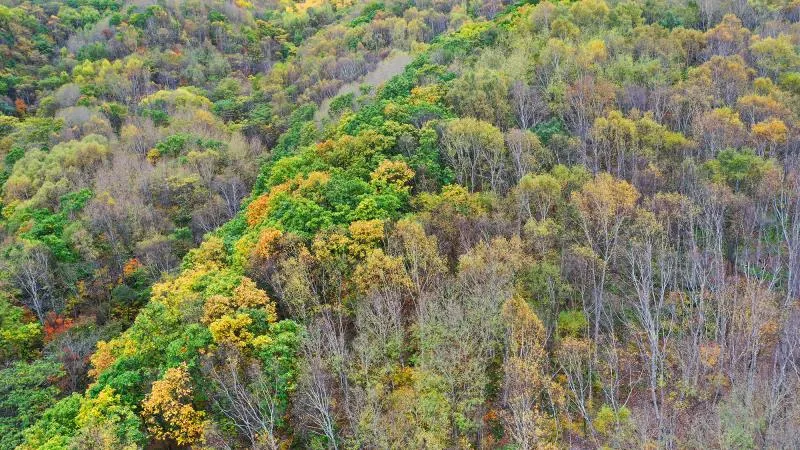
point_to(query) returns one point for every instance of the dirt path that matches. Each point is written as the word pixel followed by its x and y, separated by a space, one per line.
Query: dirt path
pixel 386 69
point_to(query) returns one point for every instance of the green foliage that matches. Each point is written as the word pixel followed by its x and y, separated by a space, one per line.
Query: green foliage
pixel 19 335
pixel 26 391
pixel 56 426
pixel 341 103
pixel 740 169
pixel 367 14
pixel 572 323
pixel 360 287
pixel 791 82
pixel 172 145
pixel 547 129
pixel 186 348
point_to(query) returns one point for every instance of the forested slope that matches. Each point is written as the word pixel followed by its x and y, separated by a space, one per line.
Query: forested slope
pixel 564 225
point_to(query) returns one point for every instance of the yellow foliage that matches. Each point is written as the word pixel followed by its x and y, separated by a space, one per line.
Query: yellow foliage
pixel 232 329
pixel 205 118
pixel 106 355
pixel 168 411
pixel 183 97
pixel 129 132
pixel 380 271
pixel 178 291
pixel 327 247
pixel 589 12
pixel 244 250
pixel 458 197
pixel 312 181
pixel 366 235
pixel 498 258
pixel 523 326
pixel 93 410
pixel 102 358
pixel 729 31
pixel 211 253
pixel 772 131
pixel 604 198
pixel 430 94
pixel 392 173
pixel 595 51
pixel 763 85
pixel 153 156
pixel 248 295
pixel 261 341
pixel 100 418
pixel 215 307
pixel 756 106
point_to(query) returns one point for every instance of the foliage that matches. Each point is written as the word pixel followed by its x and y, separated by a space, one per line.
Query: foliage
pixel 372 224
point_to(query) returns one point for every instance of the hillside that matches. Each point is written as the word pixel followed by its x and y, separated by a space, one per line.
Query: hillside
pixel 561 225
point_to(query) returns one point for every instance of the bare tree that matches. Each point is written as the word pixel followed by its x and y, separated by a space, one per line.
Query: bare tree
pixel 34 278
pixel 247 393
pixel 315 389
pixel 528 106
pixel 652 267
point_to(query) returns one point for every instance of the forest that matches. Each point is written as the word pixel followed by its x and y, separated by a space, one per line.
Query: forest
pixel 399 224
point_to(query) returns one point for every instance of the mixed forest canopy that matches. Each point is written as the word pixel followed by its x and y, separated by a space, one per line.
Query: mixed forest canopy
pixel 433 224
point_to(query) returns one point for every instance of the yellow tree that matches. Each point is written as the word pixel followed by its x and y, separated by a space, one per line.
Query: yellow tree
pixel 524 378
pixel 614 143
pixel 769 136
pixel 477 152
pixel 538 195
pixel 168 410
pixel 718 129
pixel 604 205
pixel 420 255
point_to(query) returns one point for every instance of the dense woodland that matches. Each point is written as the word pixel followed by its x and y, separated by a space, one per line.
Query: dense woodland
pixel 561 225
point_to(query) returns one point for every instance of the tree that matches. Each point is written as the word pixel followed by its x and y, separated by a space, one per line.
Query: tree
pixel 33 275
pixel 18 336
pixel 26 391
pixel 604 206
pixel 483 95
pixel 652 272
pixel 586 100
pixel 589 13
pixel 420 253
pixel 730 75
pixel 538 195
pixel 524 379
pixel 615 144
pixel 460 328
pixel 250 394
pixel 384 285
pixel 770 136
pixel 104 421
pixel 774 56
pixel 525 152
pixel 168 411
pixel 574 358
pixel 718 129
pixel 528 106
pixel 729 37
pixel 315 389
pixel 477 152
